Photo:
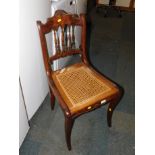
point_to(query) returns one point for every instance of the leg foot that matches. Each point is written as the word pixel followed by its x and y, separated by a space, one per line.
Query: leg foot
pixel 111 108
pixel 68 129
pixel 52 98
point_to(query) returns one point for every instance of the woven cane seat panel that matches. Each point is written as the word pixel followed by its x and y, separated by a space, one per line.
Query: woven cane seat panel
pixel 80 86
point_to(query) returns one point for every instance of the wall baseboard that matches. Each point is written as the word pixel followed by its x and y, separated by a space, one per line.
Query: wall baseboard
pixel 38 110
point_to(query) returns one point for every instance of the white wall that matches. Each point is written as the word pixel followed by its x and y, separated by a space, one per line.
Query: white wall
pixel 31 69
pixel 81 6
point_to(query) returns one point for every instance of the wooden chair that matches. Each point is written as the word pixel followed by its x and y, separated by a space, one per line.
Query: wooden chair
pixel 79 88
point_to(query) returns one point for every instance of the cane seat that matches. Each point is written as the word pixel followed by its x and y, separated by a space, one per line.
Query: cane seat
pixel 81 87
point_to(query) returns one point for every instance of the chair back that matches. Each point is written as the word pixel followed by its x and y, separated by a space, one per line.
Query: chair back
pixel 62 25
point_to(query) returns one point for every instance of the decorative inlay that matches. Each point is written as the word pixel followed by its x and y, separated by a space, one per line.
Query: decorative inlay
pixel 89 107
pixel 59 20
pixel 103 101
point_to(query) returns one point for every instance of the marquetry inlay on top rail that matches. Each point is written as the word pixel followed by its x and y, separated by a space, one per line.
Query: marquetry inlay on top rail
pixel 62 25
pixel 55 22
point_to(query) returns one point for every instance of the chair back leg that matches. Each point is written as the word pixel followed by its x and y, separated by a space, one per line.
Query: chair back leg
pixel 52 98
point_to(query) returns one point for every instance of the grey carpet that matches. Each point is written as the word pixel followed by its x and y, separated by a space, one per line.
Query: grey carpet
pixel 111 51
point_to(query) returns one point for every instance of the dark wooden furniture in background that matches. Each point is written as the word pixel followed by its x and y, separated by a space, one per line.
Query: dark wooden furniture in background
pixel 131 6
pixel 108 7
pixel 79 88
pixel 112 4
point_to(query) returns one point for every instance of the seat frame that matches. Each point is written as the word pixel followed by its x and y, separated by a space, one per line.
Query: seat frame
pixel 52 23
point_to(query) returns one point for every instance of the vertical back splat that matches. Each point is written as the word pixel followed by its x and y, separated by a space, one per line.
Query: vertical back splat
pixel 73 38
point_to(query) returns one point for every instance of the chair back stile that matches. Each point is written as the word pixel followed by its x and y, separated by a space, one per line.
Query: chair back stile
pixel 42 31
pixel 63 26
pixel 83 40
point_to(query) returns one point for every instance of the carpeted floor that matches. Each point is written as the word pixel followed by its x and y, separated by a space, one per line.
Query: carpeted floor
pixel 111 51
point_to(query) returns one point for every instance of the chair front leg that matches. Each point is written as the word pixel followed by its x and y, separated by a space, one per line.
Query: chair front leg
pixel 52 98
pixel 68 129
pixel 111 107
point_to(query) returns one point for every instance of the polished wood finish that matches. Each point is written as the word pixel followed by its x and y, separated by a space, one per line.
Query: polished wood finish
pixel 63 25
pixel 52 98
pixel 68 129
